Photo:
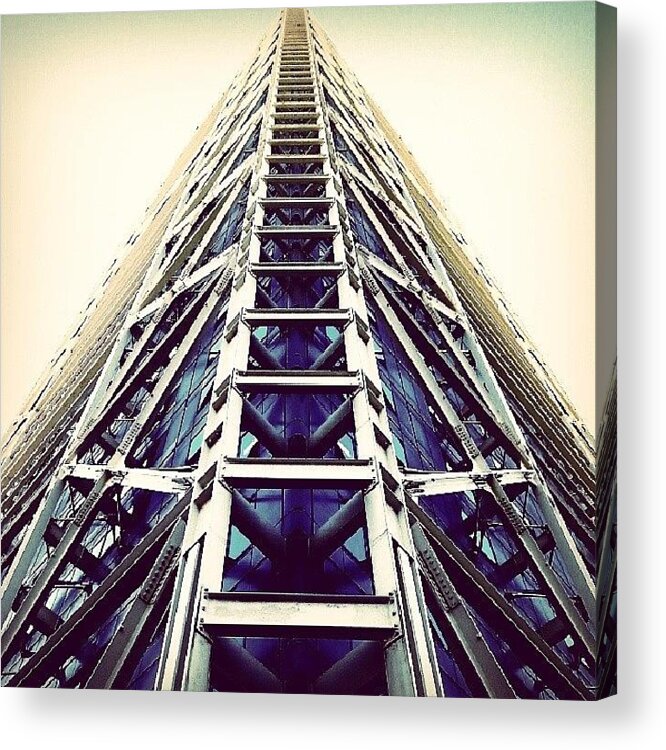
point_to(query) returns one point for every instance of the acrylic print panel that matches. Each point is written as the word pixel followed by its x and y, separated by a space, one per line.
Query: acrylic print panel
pixel 304 437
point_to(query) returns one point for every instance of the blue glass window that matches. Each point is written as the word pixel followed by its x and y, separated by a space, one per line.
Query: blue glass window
pixel 294 292
pixel 248 149
pixel 298 348
pixel 473 521
pixel 364 231
pixel 343 149
pixel 294 418
pixel 453 680
pixel 421 437
pixel 298 514
pixel 228 230
pixel 175 436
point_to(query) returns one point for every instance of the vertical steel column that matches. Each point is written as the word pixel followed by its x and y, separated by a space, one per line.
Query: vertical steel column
pixel 186 652
pixel 410 658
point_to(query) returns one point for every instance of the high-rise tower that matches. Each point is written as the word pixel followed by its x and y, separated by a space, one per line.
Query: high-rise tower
pixel 298 444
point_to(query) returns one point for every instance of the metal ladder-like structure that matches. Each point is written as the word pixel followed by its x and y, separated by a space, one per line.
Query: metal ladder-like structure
pixel 297 283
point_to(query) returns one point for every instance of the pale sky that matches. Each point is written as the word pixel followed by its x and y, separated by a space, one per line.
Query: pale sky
pixel 495 101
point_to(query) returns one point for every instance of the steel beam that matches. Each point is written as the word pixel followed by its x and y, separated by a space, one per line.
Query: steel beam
pixel 435 483
pixel 336 426
pixel 263 356
pixel 45 580
pixel 353 672
pixel 339 527
pixel 330 355
pixel 516 630
pixel 156 480
pixel 123 652
pixel 294 381
pixel 265 615
pixel 252 525
pixel 292 473
pixel 320 178
pixel 243 671
pixel 297 269
pixel 117 586
pixel 296 316
pixel 301 202
pixel 486 670
pixel 290 231
pixel 294 158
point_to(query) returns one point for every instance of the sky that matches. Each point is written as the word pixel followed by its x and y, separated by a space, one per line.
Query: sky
pixel 495 101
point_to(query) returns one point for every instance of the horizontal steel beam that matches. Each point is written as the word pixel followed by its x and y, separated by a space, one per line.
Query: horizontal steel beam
pixel 294 83
pixel 298 108
pixel 297 269
pixel 287 94
pixel 265 615
pixel 296 177
pixel 302 127
pixel 292 473
pixel 283 231
pixel 157 480
pixel 295 158
pixel 310 117
pixel 268 381
pixel 294 141
pixel 297 316
pixel 291 202
pixel 435 483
